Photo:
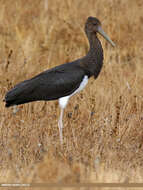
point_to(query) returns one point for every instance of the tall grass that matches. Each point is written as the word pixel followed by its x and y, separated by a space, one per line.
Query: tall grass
pixel 103 125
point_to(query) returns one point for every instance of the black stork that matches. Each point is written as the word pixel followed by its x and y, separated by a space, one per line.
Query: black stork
pixel 63 81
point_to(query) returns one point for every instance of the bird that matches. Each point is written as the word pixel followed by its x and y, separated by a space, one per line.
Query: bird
pixel 63 81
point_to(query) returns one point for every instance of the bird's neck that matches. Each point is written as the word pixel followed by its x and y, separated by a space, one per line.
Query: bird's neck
pixel 93 61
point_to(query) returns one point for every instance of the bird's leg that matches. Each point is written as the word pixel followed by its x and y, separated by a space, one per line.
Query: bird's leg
pixel 60 125
pixel 15 109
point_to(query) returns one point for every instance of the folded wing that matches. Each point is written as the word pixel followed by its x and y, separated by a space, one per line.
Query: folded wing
pixel 49 85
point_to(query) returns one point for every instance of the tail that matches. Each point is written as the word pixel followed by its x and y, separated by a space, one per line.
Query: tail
pixel 20 94
pixel 9 103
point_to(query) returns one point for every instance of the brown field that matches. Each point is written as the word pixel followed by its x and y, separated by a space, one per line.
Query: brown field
pixel 103 125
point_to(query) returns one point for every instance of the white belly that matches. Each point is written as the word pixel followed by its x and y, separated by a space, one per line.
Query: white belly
pixel 64 100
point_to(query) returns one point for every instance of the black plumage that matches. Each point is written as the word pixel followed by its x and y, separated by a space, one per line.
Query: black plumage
pixel 65 79
pixel 49 85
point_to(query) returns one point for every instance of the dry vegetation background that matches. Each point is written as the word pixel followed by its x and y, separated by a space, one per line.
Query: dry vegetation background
pixel 103 133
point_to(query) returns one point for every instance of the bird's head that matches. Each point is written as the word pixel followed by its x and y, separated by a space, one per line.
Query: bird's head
pixel 93 25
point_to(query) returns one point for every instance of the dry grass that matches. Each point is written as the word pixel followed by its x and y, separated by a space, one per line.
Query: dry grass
pixel 103 133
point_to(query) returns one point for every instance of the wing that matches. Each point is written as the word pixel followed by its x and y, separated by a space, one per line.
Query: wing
pixel 49 85
pixel 56 83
